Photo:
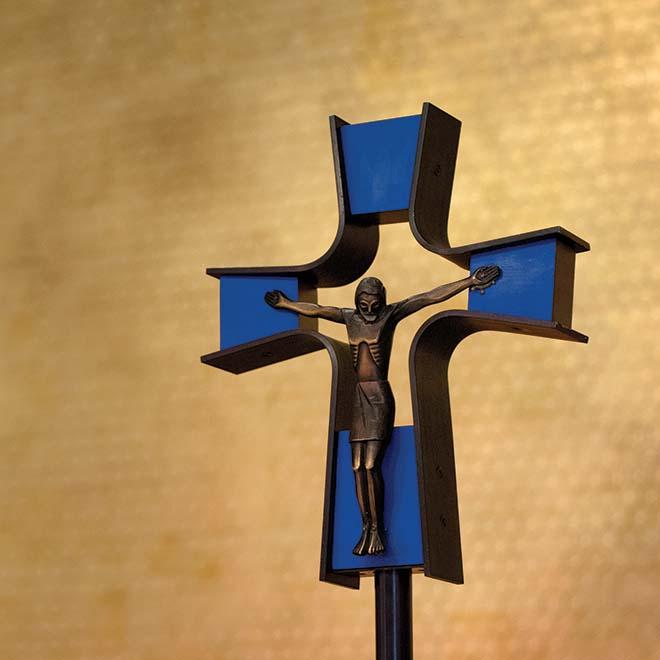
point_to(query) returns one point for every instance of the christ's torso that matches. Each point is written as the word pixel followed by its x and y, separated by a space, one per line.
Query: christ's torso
pixel 371 343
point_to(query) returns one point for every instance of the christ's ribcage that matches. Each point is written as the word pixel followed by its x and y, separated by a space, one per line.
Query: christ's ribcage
pixel 376 351
pixel 354 352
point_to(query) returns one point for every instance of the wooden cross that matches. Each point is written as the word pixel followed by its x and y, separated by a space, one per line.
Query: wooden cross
pixel 398 170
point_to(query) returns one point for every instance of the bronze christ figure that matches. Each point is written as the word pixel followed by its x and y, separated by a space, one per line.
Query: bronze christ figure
pixel 370 328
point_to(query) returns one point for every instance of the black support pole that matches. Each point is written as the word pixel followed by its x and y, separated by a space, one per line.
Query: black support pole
pixel 393 614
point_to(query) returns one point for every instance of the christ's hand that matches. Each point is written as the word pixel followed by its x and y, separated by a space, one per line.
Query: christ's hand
pixel 484 277
pixel 276 299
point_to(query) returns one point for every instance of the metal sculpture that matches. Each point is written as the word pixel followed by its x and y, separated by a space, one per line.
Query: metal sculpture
pixel 370 328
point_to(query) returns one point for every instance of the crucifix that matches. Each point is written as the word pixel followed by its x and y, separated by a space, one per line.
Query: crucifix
pixel 370 327
pixel 391 506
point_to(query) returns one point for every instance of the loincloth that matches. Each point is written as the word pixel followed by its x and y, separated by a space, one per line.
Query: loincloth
pixel 373 412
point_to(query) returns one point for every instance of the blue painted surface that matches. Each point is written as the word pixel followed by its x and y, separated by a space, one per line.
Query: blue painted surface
pixel 245 315
pixel 379 158
pixel 526 286
pixel 403 538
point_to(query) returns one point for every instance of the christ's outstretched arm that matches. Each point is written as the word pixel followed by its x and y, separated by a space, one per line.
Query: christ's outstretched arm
pixel 279 300
pixel 481 279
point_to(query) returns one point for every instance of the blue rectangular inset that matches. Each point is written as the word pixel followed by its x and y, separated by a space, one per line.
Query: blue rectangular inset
pixel 527 284
pixel 245 315
pixel 379 158
pixel 403 532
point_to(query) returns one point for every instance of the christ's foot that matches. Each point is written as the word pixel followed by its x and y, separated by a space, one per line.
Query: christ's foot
pixel 361 547
pixel 376 545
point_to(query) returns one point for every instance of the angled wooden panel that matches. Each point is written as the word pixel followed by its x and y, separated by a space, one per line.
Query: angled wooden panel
pixel 433 178
pixel 430 354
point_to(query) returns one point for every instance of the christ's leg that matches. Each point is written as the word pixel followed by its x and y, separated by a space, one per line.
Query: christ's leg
pixel 372 462
pixel 361 490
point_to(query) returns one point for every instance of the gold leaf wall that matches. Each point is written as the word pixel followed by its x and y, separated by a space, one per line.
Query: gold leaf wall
pixel 156 509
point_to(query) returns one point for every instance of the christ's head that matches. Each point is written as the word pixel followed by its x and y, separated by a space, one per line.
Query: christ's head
pixel 370 298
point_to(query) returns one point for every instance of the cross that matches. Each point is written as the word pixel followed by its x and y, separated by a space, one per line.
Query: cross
pixel 394 488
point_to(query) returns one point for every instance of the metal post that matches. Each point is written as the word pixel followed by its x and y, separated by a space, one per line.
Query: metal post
pixel 394 640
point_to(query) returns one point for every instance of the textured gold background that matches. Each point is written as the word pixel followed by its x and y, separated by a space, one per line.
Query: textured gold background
pixel 155 509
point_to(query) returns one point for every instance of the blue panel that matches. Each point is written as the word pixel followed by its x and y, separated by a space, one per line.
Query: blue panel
pixel 526 286
pixel 380 158
pixel 403 532
pixel 245 315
